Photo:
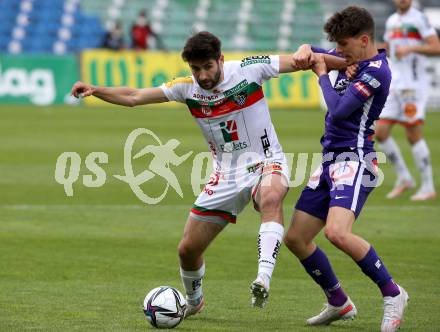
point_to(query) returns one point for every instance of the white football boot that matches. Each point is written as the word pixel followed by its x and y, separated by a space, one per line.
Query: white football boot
pixel 331 313
pixel 400 187
pixel 260 291
pixel 423 195
pixel 393 308
pixel 194 309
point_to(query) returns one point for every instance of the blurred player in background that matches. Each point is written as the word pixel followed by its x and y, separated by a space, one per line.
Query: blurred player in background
pixel 409 37
pixel 226 99
pixel 338 189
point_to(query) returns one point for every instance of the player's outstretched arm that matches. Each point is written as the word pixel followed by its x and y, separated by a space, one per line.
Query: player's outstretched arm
pixel 288 64
pixel 120 95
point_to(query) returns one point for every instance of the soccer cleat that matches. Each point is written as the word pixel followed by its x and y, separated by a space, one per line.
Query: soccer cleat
pixel 259 292
pixel 400 187
pixel 331 313
pixel 423 195
pixel 194 309
pixel 393 308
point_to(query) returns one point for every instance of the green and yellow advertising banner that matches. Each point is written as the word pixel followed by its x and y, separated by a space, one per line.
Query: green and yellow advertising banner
pixel 146 69
pixel 37 79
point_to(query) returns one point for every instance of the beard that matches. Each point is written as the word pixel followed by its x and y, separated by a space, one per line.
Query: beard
pixel 209 84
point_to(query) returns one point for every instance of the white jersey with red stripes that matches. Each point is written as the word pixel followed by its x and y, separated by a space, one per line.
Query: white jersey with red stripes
pixel 234 116
pixel 407 29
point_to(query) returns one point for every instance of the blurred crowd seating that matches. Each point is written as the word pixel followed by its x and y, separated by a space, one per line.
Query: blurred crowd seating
pixel 66 26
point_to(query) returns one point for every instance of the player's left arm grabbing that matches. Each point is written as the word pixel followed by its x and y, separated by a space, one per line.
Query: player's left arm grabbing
pixel 304 58
pixel 356 95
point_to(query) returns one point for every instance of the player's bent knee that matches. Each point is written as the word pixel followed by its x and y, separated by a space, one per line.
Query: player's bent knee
pixel 186 251
pixel 336 237
pixel 295 244
pixel 271 201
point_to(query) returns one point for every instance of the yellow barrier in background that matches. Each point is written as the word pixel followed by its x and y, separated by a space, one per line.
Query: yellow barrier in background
pixel 146 69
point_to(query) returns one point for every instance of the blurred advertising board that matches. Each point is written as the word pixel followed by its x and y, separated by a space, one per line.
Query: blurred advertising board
pixel 146 69
pixel 37 79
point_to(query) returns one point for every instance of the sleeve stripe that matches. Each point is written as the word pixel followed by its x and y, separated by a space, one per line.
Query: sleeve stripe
pixel 362 88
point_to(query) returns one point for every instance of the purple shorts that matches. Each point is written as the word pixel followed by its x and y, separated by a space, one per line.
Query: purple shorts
pixel 343 179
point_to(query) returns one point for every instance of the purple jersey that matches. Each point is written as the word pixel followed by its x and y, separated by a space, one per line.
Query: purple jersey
pixel 354 106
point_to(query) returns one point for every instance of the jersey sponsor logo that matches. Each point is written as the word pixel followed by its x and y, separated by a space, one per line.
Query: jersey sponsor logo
pixel 255 167
pixel 199 96
pixel 341 85
pixel 230 135
pixel 250 60
pixel 375 64
pixel 266 144
pixel 229 130
pixel 363 89
pixel 367 78
pixel 343 173
pixel 238 88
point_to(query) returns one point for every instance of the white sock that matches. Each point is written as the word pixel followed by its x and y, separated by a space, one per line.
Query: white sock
pixel 269 243
pixel 392 151
pixel 422 158
pixel 192 283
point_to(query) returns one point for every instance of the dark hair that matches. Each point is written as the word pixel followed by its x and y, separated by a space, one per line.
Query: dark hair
pixel 202 46
pixel 350 22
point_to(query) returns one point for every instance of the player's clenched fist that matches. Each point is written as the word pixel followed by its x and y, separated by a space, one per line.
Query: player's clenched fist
pixel 351 71
pixel 303 57
pixel 81 89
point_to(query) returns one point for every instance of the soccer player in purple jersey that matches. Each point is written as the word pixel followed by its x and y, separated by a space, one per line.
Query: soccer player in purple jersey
pixel 338 189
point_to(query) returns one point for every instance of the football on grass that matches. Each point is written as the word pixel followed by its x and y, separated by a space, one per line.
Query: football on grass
pixel 164 307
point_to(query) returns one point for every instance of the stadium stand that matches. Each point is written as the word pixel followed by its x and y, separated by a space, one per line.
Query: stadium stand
pixel 66 26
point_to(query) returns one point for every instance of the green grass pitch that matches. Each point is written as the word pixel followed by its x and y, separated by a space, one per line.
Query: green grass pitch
pixel 85 263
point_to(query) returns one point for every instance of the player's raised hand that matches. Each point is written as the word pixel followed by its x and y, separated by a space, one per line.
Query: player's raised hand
pixel 302 58
pixel 81 89
pixel 351 71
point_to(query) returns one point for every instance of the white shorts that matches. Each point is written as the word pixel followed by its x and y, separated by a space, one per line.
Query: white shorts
pixel 406 107
pixel 221 200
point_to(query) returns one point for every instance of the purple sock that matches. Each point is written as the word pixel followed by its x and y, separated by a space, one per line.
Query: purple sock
pixel 318 267
pixel 374 268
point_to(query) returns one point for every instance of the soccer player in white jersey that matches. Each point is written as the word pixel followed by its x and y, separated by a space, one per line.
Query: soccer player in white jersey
pixel 409 37
pixel 226 99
